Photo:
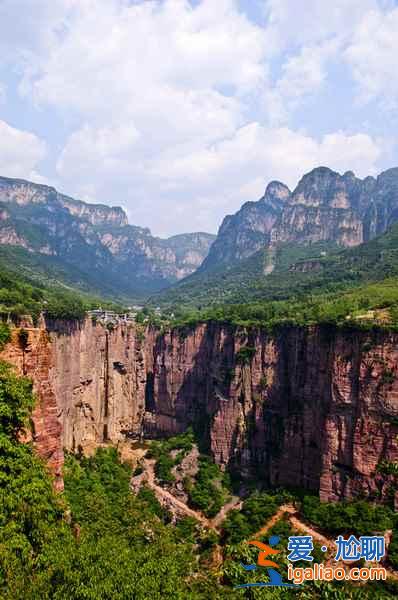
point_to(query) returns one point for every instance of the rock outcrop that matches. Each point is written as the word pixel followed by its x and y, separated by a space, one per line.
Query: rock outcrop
pixel 34 359
pixel 315 408
pixel 249 230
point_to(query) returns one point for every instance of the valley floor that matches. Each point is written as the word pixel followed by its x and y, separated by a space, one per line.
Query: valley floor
pixel 176 506
pixel 286 512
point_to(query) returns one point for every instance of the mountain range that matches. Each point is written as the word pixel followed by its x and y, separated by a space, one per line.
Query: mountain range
pixel 90 246
pixel 325 206
pixel 271 248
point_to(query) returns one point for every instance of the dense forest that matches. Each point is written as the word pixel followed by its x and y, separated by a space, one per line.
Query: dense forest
pixel 372 305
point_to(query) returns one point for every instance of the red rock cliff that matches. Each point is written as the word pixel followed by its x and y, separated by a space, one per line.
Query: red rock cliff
pixel 313 408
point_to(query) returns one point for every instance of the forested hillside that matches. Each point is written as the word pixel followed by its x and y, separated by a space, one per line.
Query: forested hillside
pixel 302 273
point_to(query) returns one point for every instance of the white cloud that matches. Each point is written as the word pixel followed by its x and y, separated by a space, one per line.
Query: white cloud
pixel 88 148
pixel 176 111
pixel 358 152
pixel 311 22
pixel 218 178
pixel 146 46
pixel 302 75
pixel 311 37
pixel 276 152
pixel 372 56
pixel 28 32
pixel 20 153
pixel 174 74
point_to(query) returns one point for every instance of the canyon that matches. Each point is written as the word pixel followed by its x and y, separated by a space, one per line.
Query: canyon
pixel 314 408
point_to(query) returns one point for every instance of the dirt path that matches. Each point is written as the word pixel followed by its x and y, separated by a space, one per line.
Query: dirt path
pixel 170 500
pixel 179 506
pixel 296 523
pixel 317 536
pixel 234 503
pixel 285 508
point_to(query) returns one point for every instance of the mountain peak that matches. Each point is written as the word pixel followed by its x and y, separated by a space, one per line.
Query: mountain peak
pixel 277 190
pixel 389 174
pixel 324 207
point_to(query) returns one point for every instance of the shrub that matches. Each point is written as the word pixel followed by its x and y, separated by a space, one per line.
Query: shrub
pixel 256 510
pixel 67 307
pixel 5 334
pixel 357 517
pixel 245 355
pixel 208 492
pixel 163 467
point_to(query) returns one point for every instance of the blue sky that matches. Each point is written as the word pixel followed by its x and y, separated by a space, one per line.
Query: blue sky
pixel 181 110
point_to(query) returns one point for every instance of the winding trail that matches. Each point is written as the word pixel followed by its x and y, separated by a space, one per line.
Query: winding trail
pixel 170 500
pixel 148 476
pixel 234 503
pixel 285 508
pixel 296 523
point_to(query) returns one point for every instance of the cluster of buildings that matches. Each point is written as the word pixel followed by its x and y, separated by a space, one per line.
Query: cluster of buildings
pixel 110 317
pixel 106 316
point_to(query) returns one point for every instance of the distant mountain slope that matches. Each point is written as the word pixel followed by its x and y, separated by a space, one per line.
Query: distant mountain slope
pixel 92 245
pixel 326 212
pixel 28 288
pixel 299 270
pixel 249 230
pixel 324 207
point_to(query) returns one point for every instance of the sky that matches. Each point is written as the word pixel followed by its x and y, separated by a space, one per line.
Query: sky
pixel 181 110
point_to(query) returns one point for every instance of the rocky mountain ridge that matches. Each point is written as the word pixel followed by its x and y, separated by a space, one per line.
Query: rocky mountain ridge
pixel 324 207
pixel 247 231
pixel 95 239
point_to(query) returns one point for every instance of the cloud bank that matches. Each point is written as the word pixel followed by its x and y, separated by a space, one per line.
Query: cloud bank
pixel 181 111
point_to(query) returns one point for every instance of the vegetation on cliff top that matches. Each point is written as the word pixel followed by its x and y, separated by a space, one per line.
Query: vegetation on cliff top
pixel 369 306
pixel 21 295
pixel 356 287
pixel 299 271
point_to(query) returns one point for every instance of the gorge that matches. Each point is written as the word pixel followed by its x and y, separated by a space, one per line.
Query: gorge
pixel 315 407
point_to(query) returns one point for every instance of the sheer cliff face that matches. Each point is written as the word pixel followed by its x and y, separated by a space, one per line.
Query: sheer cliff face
pixel 309 408
pixel 95 239
pixel 36 361
pixel 325 206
